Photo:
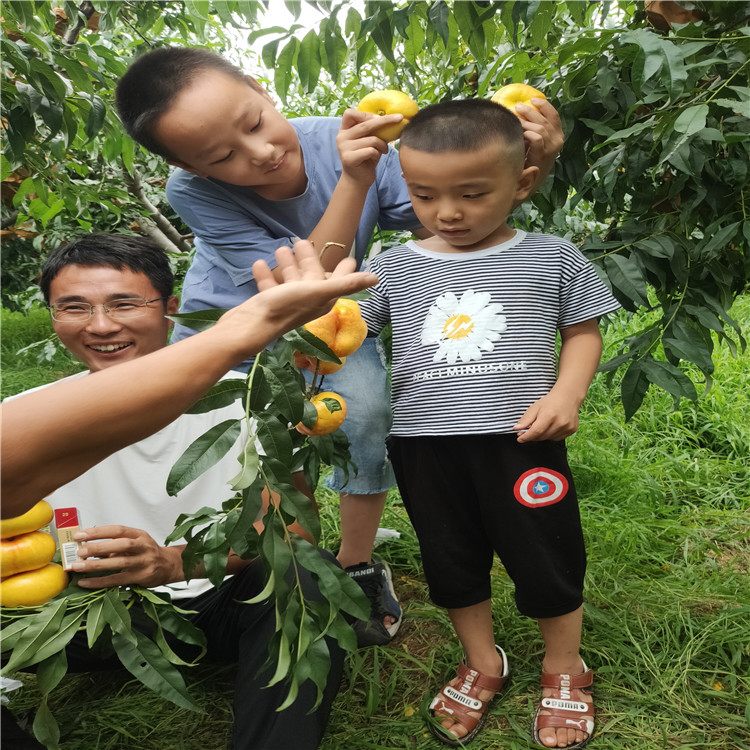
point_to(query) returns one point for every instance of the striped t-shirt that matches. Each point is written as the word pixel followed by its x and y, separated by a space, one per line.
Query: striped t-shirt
pixel 474 332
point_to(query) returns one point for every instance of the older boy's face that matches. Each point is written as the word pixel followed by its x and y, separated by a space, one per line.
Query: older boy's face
pixel 464 197
pixel 101 341
pixel 230 130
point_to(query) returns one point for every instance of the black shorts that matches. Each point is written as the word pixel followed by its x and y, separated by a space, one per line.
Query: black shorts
pixel 469 496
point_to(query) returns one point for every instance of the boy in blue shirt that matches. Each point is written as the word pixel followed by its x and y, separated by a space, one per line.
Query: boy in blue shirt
pixel 249 181
pixel 480 413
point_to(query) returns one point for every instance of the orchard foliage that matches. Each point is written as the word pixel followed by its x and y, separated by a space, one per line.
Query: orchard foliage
pixel 657 125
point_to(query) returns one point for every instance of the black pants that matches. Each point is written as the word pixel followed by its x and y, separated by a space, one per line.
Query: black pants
pixel 469 496
pixel 240 633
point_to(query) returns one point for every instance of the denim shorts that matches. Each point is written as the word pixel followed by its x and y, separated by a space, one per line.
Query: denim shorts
pixel 363 382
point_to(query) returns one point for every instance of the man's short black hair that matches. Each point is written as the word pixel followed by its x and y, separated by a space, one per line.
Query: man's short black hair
pixel 153 82
pixel 119 251
pixel 464 125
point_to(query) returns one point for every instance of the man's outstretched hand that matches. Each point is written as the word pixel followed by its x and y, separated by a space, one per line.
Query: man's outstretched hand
pixel 307 291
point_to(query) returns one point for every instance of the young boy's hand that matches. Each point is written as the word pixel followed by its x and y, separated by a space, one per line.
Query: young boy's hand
pixel 359 148
pixel 553 417
pixel 543 134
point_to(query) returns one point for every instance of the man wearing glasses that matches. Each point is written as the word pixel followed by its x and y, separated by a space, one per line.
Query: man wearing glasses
pixel 108 296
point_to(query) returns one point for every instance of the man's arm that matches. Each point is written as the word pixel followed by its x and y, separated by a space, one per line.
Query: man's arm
pixel 52 436
pixel 555 416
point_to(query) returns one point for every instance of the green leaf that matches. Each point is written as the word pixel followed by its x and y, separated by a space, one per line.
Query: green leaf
pixel 266 592
pixel 307 343
pixel 274 437
pixel 334 51
pixel 268 54
pixel 96 117
pixel 717 239
pixel 284 62
pixel 51 670
pixel 41 627
pixel 224 393
pixel 692 119
pixel 145 662
pixel 68 628
pixel 415 38
pixel 283 660
pixel 45 727
pixel 216 553
pixel 382 35
pixel 633 388
pixel 117 615
pixel 627 279
pixel 275 552
pixel 308 61
pixel 438 15
pixel 241 534
pixel 299 505
pixel 249 463
pixel 470 27
pixel 291 695
pixel 670 378
pixel 199 518
pixel 335 585
pixel 153 612
pixel 199 320
pixel 287 395
pixel 29 96
pixel 203 453
pixel 690 346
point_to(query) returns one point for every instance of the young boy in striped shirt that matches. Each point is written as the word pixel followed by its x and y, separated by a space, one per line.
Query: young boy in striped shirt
pixel 480 412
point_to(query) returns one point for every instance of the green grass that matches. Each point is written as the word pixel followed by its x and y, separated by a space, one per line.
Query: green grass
pixel 664 500
pixel 22 371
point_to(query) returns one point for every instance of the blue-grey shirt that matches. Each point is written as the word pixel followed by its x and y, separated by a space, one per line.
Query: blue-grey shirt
pixel 234 226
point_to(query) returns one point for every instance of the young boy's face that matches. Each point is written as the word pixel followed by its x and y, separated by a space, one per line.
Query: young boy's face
pixel 464 197
pixel 230 130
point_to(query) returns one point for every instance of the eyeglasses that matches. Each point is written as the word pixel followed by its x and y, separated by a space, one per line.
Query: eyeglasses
pixel 119 309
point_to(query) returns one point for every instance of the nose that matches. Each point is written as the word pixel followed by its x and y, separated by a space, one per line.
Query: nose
pixel 258 152
pixel 448 210
pixel 100 323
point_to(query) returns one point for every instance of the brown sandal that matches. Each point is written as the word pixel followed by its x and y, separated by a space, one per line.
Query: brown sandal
pixel 455 703
pixel 565 713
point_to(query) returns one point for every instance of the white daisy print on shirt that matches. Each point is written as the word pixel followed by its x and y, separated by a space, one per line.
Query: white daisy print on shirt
pixel 463 328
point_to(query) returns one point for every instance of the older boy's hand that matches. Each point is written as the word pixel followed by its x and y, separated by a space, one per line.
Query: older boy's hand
pixel 359 148
pixel 543 134
pixel 553 417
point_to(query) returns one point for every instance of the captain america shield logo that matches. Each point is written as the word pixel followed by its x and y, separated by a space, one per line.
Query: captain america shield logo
pixel 538 487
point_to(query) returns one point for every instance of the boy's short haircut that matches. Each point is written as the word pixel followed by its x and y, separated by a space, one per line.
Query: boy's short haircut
pixel 464 125
pixel 152 83
pixel 118 251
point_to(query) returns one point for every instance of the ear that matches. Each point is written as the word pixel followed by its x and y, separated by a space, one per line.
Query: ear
pixel 187 168
pixel 171 308
pixel 526 183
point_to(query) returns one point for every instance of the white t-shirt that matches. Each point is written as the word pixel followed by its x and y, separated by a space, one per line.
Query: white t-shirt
pixel 129 487
pixel 474 332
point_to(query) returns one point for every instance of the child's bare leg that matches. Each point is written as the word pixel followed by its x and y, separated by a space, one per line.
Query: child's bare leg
pixel 360 518
pixel 473 627
pixel 562 641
